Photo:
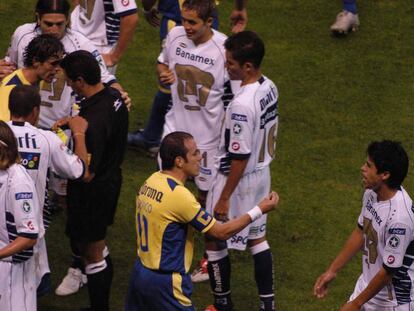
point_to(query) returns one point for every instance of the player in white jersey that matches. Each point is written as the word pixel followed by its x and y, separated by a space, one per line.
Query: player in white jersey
pixel 19 228
pixel 40 151
pixel 384 233
pixel 109 24
pixel 247 147
pixel 52 17
pixel 193 61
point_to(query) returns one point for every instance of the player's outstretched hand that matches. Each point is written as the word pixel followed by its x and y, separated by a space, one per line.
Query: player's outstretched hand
pixel 221 210
pixel 320 289
pixel 269 203
pixel 152 17
pixel 78 125
pixel 238 20
pixel 61 123
pixel 6 68
pixel 167 76
pixel 350 306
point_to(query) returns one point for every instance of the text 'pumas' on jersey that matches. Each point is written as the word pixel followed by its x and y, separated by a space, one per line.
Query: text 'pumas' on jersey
pixel 388 228
pixel 250 127
pixel 197 92
pixel 167 214
pixel 100 20
pixel 19 211
pixel 56 97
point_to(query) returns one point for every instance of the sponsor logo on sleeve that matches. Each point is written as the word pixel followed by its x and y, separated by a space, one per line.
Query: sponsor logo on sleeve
pixel 26 207
pixel 239 117
pixel 390 259
pixel 237 129
pixel 30 160
pixel 394 241
pixel 30 225
pixel 399 231
pixel 235 146
pixel 125 2
pixel 24 195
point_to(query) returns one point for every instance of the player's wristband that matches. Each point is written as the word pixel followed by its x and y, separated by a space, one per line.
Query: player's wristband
pixel 255 213
pixel 78 134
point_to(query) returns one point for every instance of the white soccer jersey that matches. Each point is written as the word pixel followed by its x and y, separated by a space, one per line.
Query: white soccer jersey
pixel 40 150
pixel 198 89
pixel 388 228
pixel 56 96
pixel 99 20
pixel 19 210
pixel 250 127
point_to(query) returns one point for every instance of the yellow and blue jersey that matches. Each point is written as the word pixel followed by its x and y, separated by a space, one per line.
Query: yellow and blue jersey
pixel 167 214
pixel 6 85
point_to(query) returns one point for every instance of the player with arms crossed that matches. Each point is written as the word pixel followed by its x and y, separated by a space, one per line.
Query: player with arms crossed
pixel 384 233
pixel 167 215
pixel 19 228
pixel 247 147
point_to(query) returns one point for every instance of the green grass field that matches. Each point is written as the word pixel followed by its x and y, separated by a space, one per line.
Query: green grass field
pixel 336 95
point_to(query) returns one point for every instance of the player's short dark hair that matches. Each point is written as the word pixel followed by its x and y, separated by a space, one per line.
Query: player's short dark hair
pixel 204 8
pixel 23 99
pixel 173 146
pixel 52 6
pixel 82 64
pixel 8 147
pixel 389 156
pixel 246 46
pixel 41 48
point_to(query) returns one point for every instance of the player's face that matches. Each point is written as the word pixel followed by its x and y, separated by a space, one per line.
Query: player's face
pixel 371 179
pixel 74 84
pixel 47 70
pixel 196 29
pixel 53 23
pixel 191 165
pixel 233 67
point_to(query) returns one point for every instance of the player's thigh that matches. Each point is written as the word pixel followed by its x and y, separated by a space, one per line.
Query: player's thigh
pixel 213 195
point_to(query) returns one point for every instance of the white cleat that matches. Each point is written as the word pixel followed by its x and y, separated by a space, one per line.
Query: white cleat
pixel 200 274
pixel 345 21
pixel 71 283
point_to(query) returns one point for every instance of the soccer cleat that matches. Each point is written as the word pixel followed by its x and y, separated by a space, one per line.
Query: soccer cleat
pixel 200 273
pixel 345 21
pixel 210 308
pixel 136 139
pixel 71 283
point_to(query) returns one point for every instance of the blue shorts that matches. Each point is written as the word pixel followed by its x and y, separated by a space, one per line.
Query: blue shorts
pixel 155 291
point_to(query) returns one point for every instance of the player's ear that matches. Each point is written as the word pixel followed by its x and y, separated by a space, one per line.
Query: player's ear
pixel 210 21
pixel 179 162
pixel 38 19
pixel 385 175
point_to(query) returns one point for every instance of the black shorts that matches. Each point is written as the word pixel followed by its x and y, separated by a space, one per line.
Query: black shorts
pixel 91 209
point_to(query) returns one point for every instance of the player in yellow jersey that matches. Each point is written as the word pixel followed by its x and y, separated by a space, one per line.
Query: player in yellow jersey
pixel 41 58
pixel 167 214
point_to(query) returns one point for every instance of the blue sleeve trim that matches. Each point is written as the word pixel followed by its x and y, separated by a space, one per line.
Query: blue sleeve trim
pixel 126 13
pixel 32 236
pixel 389 269
pixel 237 156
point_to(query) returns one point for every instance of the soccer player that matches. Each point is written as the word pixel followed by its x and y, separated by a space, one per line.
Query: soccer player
pixel 92 202
pixel 20 227
pixel 247 147
pixel 170 10
pixel 167 214
pixel 110 25
pixel 40 151
pixel 347 19
pixel 41 59
pixel 384 233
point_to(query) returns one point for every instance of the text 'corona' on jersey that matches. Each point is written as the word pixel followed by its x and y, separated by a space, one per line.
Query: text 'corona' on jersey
pixel 194 57
pixel 152 193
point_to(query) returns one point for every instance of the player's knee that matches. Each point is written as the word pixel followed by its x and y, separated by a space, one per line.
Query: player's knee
pixel 213 244
pixel 258 246
pixel 217 255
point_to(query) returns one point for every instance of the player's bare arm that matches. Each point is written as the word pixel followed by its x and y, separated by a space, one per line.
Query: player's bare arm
pixel 381 279
pixel 238 17
pixel 18 245
pixel 165 74
pixel 221 209
pixel 6 68
pixel 126 34
pixel 350 249
pixel 151 12
pixel 230 228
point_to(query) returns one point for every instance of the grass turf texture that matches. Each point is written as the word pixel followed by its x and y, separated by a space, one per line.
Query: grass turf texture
pixel 336 95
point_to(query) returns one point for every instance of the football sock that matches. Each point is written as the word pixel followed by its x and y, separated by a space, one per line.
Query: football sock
pixel 155 125
pixel 263 273
pixel 350 6
pixel 219 272
pixel 99 283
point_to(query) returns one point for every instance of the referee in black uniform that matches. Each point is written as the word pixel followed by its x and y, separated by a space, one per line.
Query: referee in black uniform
pixel 92 202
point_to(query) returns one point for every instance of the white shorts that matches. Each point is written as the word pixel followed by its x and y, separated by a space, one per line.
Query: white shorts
pixel 252 188
pixel 41 260
pixel 106 49
pixel 18 286
pixel 371 306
